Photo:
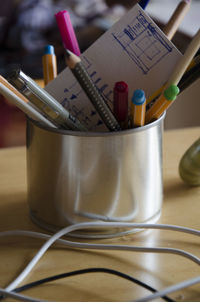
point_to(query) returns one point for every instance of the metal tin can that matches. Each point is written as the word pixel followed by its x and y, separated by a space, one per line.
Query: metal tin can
pixel 84 176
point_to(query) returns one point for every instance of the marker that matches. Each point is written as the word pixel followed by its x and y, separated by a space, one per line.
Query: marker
pixel 120 103
pixel 176 18
pixel 138 108
pixel 24 106
pixel 49 64
pixel 46 104
pixel 162 103
pixel 80 73
pixel 67 32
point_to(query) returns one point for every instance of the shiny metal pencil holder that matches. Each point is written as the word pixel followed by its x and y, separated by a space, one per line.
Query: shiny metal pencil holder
pixel 77 176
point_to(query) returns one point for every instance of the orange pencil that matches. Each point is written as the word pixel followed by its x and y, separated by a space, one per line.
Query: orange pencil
pixel 162 103
pixel 138 107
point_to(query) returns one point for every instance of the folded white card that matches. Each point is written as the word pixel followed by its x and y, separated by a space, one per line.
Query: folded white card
pixel 133 50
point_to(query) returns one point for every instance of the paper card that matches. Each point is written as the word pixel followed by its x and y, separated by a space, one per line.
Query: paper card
pixel 133 50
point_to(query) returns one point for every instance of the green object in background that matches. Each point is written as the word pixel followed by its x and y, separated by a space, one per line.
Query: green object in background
pixel 189 166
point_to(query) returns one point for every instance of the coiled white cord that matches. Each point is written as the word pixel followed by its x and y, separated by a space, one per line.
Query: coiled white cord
pixel 90 225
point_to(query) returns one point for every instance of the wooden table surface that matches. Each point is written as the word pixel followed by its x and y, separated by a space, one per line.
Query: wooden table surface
pixel 181 206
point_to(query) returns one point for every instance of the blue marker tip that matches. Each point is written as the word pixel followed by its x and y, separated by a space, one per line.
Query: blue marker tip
pixel 49 50
pixel 138 97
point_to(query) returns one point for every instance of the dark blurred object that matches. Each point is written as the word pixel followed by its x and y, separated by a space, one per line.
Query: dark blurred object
pixel 6 13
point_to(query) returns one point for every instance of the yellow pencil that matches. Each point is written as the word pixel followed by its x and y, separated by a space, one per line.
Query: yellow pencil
pixel 176 18
pixel 162 103
pixel 138 108
pixel 49 64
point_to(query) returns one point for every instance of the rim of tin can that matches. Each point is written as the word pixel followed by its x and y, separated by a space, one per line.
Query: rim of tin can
pixel 97 134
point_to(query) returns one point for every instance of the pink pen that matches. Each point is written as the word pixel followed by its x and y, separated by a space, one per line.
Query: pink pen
pixel 67 32
pixel 120 103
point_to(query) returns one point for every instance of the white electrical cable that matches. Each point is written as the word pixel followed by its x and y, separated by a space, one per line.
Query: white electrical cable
pixel 20 297
pixel 168 227
pixel 91 225
pixel 170 289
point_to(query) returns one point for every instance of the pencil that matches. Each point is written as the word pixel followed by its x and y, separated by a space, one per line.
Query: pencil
pixel 185 60
pixel 80 73
pixel 138 106
pixel 162 103
pixel 49 64
pixel 176 18
pixel 194 64
pixel 24 106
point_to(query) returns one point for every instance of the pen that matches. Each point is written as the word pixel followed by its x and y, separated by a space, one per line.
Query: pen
pixel 80 73
pixel 12 88
pixel 176 18
pixel 24 106
pixel 138 107
pixel 49 64
pixel 46 104
pixel 162 103
pixel 120 103
pixel 67 32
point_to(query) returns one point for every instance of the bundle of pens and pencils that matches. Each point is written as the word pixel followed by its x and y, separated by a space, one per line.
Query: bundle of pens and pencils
pixel 44 108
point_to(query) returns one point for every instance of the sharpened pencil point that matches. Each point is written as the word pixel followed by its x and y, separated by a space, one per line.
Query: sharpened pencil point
pixel 68 53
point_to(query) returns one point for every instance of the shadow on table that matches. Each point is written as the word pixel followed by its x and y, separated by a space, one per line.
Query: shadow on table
pixel 177 189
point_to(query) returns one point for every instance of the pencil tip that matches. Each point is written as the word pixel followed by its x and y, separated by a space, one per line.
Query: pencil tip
pixel 67 52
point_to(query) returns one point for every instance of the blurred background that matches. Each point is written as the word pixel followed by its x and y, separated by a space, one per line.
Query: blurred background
pixel 26 26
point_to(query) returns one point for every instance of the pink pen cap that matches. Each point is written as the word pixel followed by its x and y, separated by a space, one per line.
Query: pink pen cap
pixel 67 32
pixel 120 103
